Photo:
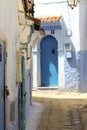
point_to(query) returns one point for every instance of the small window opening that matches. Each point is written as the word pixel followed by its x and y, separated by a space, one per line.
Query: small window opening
pixel 0 53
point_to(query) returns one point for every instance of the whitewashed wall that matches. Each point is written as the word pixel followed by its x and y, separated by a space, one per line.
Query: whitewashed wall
pixel 9 34
pixel 9 30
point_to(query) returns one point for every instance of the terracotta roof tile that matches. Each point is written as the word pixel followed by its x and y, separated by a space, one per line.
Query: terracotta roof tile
pixel 50 19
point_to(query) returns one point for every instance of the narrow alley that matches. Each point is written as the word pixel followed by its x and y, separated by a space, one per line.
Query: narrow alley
pixel 61 111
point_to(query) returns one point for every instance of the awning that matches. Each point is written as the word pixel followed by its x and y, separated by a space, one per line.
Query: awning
pixel 50 19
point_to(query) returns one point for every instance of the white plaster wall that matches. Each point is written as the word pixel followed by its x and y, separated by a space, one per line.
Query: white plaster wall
pixel 9 30
pixel 35 41
pixel 83 24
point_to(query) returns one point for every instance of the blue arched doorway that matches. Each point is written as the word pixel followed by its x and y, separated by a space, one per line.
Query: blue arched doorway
pixel 49 61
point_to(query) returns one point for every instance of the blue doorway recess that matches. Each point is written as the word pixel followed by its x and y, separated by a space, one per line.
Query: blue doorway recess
pixel 49 61
pixel 2 83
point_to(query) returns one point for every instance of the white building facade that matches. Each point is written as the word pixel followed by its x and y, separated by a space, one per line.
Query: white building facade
pixel 70 40
pixel 8 41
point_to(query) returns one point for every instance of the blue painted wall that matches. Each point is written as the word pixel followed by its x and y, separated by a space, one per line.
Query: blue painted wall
pixel 72 72
pixel 83 70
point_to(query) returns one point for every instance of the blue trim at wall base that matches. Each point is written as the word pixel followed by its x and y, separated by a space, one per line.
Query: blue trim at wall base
pixel 83 71
pixel 76 72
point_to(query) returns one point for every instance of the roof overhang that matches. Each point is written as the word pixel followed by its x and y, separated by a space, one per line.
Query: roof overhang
pixel 50 19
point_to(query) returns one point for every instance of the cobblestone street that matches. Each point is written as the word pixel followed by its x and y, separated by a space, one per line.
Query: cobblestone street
pixel 62 111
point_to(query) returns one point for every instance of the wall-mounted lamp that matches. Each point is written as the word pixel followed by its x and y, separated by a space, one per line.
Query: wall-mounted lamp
pixel 72 3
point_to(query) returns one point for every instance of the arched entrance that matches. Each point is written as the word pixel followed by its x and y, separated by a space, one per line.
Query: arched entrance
pixel 49 61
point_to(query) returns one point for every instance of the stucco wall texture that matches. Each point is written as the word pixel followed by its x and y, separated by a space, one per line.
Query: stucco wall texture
pixel 72 73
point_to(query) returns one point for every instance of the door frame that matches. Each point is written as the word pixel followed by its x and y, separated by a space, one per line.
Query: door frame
pixel 36 64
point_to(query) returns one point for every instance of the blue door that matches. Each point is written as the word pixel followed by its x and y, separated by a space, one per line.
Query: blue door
pixel 2 85
pixel 49 61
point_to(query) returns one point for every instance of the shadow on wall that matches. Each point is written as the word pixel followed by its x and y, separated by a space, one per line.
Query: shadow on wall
pixel 71 64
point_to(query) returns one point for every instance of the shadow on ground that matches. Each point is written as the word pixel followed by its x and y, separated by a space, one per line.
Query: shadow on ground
pixel 62 114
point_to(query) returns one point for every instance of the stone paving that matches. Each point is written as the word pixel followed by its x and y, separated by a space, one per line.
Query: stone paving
pixel 61 113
